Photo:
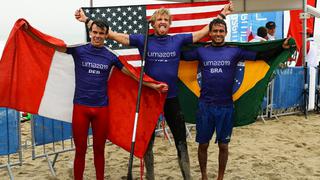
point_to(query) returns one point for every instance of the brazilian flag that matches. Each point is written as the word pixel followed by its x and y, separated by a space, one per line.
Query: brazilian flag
pixel 250 83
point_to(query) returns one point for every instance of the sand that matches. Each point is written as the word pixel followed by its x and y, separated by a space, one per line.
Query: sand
pixel 284 149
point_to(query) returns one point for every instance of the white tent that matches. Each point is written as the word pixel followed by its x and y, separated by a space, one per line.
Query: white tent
pixel 258 6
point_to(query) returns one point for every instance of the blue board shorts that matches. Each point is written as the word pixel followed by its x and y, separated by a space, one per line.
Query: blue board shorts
pixel 211 118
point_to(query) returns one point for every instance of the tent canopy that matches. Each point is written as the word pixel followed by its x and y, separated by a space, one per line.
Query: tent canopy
pixel 242 6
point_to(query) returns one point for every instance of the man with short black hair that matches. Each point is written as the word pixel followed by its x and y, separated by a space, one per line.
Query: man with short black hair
pixel 271 26
pixel 217 63
pixel 262 35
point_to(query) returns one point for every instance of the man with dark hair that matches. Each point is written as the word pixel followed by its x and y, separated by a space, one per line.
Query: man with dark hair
pixel 101 25
pixel 217 65
pixel 271 26
pixel 93 62
pixel 262 35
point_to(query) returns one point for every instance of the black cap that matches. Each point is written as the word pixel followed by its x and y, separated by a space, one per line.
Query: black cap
pixel 271 25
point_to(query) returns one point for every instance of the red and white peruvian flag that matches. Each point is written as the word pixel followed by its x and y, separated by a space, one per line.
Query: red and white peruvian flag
pixel 35 78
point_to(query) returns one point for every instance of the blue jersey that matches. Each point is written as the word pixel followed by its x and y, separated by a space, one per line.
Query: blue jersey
pixel 163 57
pixel 218 67
pixel 92 69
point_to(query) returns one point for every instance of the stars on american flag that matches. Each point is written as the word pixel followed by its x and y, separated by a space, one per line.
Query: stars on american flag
pixel 125 19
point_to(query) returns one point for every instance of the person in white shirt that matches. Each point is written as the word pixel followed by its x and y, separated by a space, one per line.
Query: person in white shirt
pixel 262 35
pixel 312 62
pixel 311 57
pixel 271 26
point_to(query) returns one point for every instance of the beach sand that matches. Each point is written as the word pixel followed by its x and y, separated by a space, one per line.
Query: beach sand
pixel 284 149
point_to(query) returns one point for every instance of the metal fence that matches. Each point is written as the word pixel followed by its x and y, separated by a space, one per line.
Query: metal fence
pixel 50 138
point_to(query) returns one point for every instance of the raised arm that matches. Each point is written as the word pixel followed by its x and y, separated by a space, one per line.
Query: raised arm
pixel 121 38
pixel 159 87
pixel 197 35
pixel 57 48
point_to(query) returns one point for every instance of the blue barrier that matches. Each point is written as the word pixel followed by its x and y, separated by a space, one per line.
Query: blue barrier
pixel 288 88
pixel 45 133
pixel 9 131
pixel 48 130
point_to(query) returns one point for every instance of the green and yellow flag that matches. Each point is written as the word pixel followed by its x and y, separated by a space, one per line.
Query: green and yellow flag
pixel 250 84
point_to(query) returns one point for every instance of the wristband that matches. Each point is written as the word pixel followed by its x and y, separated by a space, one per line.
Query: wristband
pixel 222 15
pixel 87 21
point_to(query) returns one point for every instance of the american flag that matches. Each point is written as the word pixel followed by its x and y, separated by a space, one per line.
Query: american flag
pixel 186 18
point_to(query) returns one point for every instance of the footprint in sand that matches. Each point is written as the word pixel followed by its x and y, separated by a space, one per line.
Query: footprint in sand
pixel 300 145
pixel 52 178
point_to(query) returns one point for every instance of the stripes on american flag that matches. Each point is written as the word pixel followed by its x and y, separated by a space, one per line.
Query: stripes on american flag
pixel 186 18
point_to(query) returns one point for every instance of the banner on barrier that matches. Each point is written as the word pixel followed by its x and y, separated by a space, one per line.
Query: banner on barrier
pixel 241 25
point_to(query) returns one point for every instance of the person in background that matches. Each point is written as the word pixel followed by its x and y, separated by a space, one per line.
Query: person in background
pixel 312 50
pixel 271 26
pixel 262 35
